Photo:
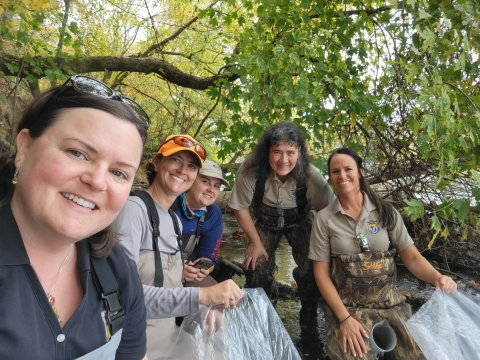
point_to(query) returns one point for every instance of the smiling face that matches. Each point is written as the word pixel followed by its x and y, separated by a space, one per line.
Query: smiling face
pixel 175 173
pixel 74 179
pixel 204 192
pixel 344 174
pixel 282 159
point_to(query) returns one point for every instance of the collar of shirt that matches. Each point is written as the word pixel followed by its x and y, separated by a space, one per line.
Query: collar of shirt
pixel 368 205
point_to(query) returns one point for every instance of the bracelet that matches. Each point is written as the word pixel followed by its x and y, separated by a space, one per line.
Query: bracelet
pixel 348 317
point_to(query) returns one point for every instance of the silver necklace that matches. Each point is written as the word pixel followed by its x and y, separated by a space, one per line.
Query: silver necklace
pixel 50 297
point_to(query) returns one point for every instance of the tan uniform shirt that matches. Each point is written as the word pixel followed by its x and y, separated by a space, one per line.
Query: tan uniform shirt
pixel 318 194
pixel 335 232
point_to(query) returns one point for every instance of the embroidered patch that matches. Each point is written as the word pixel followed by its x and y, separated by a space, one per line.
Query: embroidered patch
pixel 372 227
pixel 294 196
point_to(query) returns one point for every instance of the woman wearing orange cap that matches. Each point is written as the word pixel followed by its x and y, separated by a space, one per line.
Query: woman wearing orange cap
pixel 151 234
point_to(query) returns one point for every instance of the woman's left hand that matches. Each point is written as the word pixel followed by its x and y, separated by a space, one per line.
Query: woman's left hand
pixel 353 333
pixel 191 273
pixel 446 284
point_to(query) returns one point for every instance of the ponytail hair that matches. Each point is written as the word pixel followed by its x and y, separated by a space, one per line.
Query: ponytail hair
pixel 386 214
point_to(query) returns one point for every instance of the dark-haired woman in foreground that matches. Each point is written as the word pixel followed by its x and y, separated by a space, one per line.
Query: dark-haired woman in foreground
pixel 353 244
pixel 78 149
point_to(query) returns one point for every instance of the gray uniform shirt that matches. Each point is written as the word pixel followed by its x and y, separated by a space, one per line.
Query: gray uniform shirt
pixel 318 194
pixel 135 234
pixel 335 232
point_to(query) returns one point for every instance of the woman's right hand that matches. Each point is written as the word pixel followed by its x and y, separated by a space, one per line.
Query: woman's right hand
pixel 254 251
pixel 353 333
pixel 224 294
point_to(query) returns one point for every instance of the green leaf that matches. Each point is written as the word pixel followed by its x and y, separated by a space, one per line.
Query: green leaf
pixel 429 39
pixel 436 223
pixel 414 209
pixel 422 14
pixel 462 207
pixel 213 92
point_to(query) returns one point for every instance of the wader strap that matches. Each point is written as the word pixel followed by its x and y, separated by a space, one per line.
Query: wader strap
pixel 176 227
pixel 300 197
pixel 155 222
pixel 107 286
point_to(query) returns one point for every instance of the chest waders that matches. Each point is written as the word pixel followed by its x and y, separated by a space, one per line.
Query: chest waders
pixel 295 224
pixel 366 285
pixel 156 268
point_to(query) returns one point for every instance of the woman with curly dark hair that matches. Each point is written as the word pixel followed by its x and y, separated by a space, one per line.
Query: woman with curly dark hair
pixel 277 191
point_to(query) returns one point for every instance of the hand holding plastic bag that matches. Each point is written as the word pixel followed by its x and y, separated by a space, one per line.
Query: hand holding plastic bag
pixel 448 327
pixel 252 330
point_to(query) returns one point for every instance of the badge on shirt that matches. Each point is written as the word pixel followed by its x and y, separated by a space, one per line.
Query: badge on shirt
pixel 372 227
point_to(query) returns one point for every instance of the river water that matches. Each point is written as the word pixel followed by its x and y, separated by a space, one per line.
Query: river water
pixel 233 249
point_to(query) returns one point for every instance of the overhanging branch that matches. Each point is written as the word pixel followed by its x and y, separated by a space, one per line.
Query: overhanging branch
pixel 111 63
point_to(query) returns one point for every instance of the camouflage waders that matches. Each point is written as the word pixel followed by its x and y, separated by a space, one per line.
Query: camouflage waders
pixel 297 231
pixel 366 285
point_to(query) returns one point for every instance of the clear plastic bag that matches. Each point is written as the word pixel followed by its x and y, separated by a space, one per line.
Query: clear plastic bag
pixel 448 327
pixel 252 330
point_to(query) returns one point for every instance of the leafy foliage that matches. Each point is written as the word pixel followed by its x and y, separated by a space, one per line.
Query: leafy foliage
pixel 396 81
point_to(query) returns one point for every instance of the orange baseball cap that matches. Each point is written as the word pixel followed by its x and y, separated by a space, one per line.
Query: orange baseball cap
pixel 182 142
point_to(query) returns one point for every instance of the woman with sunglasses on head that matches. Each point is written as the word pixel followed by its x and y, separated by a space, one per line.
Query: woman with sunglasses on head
pixel 157 253
pixel 78 149
pixel 353 244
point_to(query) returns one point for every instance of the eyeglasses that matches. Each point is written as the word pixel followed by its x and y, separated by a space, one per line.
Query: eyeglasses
pixel 188 143
pixel 90 86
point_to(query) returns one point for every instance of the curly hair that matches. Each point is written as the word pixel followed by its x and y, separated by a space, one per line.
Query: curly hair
pixel 284 132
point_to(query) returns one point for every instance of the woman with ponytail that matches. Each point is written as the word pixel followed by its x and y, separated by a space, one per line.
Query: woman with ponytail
pixel 352 245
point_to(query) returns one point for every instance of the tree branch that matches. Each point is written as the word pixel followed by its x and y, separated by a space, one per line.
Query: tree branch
pixel 161 44
pixel 111 63
pixel 356 12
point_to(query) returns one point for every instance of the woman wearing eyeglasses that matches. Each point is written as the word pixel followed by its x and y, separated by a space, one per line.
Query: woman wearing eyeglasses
pixel 78 149
pixel 171 172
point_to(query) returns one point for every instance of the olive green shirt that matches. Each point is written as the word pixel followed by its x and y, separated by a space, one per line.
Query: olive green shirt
pixel 335 232
pixel 318 194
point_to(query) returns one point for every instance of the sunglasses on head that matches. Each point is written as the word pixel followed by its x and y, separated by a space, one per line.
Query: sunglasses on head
pixel 90 86
pixel 188 143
